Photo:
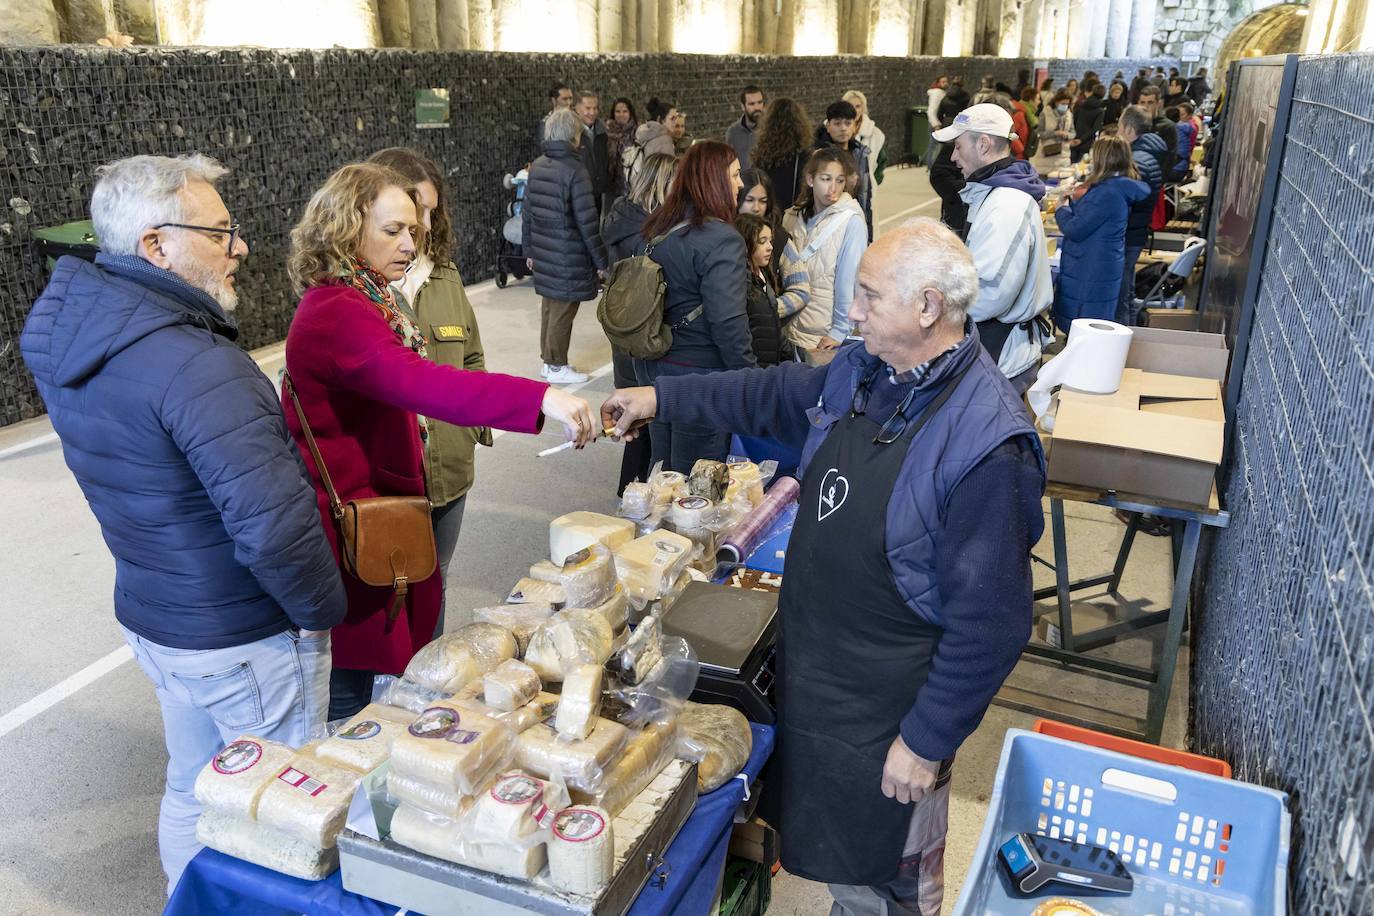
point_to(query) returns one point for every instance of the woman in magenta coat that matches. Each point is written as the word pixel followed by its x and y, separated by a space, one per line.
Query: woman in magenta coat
pixel 359 367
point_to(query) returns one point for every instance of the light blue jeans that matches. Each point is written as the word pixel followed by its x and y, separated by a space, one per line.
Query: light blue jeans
pixel 276 688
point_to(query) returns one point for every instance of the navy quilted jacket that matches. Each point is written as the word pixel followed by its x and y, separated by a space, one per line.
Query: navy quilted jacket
pixel 180 447
pixel 561 229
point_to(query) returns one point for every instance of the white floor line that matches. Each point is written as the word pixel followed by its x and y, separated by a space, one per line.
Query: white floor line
pixel 59 692
pixel 929 203
pixel 25 446
pixel 591 377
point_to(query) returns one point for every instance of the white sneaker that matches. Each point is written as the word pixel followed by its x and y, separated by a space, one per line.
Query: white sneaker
pixel 544 370
pixel 565 375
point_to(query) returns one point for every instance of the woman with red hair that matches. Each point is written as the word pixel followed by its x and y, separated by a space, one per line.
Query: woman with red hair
pixel 693 238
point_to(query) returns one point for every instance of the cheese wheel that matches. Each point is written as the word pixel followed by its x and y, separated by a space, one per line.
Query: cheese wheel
pixel 649 565
pixel 452 661
pixel 581 764
pixel 520 619
pixel 510 686
pixel 722 734
pixel 364 743
pixel 616 611
pixel 709 479
pixel 667 486
pixel 587 576
pixel 689 513
pixel 637 501
pixel 235 778
pixel 453 747
pixel 571 637
pixel 509 810
pixel 309 800
pixel 417 793
pixel 537 591
pixel 746 478
pixel 263 846
pixel 582 850
pixel 578 530
pixel 427 832
pixel 581 702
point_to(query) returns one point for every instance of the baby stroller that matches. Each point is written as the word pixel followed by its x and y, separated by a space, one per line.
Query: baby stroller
pixel 510 253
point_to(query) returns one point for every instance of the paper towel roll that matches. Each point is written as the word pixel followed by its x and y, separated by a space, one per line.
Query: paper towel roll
pixel 1092 363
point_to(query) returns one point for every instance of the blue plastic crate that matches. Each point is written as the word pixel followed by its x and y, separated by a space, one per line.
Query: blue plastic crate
pixel 1196 844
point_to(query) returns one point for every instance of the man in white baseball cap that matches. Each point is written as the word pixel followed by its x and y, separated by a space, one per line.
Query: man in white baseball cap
pixel 1007 238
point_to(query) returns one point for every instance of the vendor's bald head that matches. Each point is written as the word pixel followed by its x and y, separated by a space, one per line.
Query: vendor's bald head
pixel 915 287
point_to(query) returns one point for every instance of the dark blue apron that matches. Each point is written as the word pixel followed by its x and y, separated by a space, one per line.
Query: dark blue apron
pixel 852 655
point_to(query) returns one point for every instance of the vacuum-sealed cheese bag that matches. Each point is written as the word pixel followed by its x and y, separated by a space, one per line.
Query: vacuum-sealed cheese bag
pixel 263 846
pixel 521 619
pixel 581 701
pixel 455 659
pixel 513 684
pixel 364 742
pixel 427 832
pixel 581 764
pixel 309 800
pixel 582 850
pixel 451 746
pixel 569 638
pixel 650 565
pixel 708 479
pixel 233 781
pixel 615 610
pixel 644 757
pixel 719 739
pixel 417 793
pixel 587 576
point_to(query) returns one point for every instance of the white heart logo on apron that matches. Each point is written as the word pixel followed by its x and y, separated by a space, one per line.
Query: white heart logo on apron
pixel 834 491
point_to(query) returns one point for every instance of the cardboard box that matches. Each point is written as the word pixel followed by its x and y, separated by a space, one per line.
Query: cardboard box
pixel 1160 435
pixel 1174 319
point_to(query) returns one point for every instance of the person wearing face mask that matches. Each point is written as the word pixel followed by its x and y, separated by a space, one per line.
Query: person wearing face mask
pixel 177 441
pixel 362 377
pixel 839 132
pixel 1056 133
pixel 827 226
pixel 1006 235
pixel 431 294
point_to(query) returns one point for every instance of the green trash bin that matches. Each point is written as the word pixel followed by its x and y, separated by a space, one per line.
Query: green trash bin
pixel 76 239
pixel 917 134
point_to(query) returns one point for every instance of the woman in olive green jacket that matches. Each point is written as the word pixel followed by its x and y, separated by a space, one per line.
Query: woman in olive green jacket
pixel 432 291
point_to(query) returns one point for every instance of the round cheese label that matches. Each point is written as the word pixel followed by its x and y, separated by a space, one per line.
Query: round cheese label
pixel 667 547
pixel 361 731
pixel 435 722
pixel 694 503
pixel 743 466
pixel 236 757
pixel 517 789
pixel 578 825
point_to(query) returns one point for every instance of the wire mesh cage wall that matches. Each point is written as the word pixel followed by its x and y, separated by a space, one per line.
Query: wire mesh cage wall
pixel 282 120
pixel 1284 647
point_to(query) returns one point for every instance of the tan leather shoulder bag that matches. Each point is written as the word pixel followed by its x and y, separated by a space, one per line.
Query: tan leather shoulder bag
pixel 385 541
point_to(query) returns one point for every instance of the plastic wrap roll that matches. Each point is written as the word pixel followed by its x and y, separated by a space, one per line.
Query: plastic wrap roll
pixel 740 540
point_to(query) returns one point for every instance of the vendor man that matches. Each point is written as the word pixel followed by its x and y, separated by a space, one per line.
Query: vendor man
pixel 907 591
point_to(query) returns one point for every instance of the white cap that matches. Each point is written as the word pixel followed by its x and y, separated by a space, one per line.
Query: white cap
pixel 981 119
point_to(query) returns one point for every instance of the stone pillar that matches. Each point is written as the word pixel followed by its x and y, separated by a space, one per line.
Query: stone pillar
pixel 481 25
pixel 952 44
pixel 1054 41
pixel 749 27
pixel 1032 24
pixel 1079 28
pixel 1010 27
pixel 1097 44
pixel 787 27
pixel 424 25
pixel 768 28
pixel 970 27
pixel 137 19
pixel 1118 28
pixel 858 30
pixel 665 24
pixel 1142 28
pixel 29 22
pixel 452 22
pixel 609 16
pixel 394 18
pixel 648 26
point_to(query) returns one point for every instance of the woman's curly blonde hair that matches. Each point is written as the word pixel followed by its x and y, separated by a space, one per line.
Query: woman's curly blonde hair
pixel 325 241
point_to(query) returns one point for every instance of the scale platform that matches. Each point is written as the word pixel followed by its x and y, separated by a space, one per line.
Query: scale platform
pixel 733 632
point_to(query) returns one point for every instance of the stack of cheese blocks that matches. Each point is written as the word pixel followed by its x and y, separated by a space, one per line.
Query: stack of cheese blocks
pixel 283 809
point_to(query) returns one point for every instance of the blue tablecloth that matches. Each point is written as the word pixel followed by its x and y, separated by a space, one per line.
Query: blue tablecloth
pixel 216 883
pixel 765 556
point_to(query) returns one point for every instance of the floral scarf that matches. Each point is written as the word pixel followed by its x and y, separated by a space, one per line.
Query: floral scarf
pixel 620 136
pixel 375 287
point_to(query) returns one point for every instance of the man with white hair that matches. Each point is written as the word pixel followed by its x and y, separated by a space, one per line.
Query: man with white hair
pixel 906 596
pixel 225 587
pixel 1005 232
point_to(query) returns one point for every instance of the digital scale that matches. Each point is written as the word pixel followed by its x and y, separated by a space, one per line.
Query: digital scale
pixel 1034 861
pixel 733 632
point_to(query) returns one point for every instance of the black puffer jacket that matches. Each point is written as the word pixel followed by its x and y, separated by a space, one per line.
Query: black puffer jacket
pixel 560 226
pixel 706 267
pixel 620 229
pixel 765 328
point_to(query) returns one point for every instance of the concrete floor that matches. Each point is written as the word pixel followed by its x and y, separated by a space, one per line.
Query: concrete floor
pixel 80 733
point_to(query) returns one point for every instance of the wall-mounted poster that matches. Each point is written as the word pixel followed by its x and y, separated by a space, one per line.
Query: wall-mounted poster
pixel 431 108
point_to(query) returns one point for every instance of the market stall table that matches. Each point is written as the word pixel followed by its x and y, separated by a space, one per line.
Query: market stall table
pixel 694 863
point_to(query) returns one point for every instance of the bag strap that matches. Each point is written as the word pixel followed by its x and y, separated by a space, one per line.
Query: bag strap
pixel 691 316
pixel 658 239
pixel 335 506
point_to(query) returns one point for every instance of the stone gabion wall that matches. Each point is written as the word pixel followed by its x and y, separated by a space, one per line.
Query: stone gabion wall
pixel 283 120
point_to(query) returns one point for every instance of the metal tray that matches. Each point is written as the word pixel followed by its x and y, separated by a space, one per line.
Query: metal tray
pixel 388 871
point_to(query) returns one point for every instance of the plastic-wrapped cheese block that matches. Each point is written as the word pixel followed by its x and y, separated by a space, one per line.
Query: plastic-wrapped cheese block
pixel 309 800
pixel 541 708
pixel 411 697
pixel 427 832
pixel 451 746
pixel 537 591
pixel 587 576
pixel 719 738
pixel 578 530
pixel 582 850
pixel 262 846
pixel 581 702
pixel 637 501
pixel 616 611
pixel 667 486
pixel 235 778
pixel 509 810
pixel 435 799
pixel 451 662
pixel 746 477
pixel 513 684
pixel 581 763
pixel 642 653
pixel 364 743
pixel 644 757
pixel 650 565
pixel 521 619
pixel 504 859
pixel 571 637
pixel 709 479
pixel 689 513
